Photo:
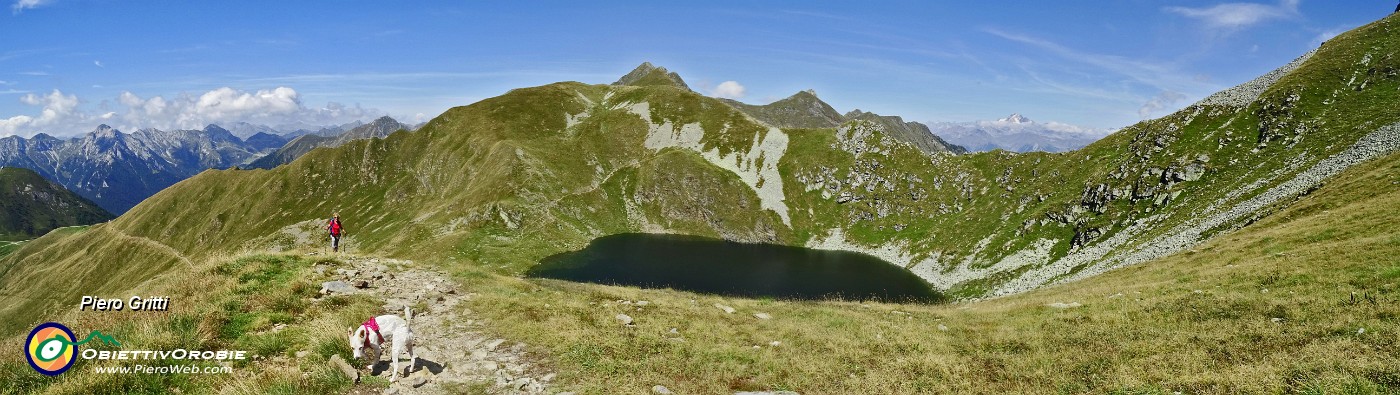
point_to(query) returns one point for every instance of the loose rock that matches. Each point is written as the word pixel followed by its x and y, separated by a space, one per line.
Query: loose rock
pixel 339 363
pixel 331 287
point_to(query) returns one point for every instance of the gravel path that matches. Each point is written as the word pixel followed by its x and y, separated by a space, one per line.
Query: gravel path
pixel 454 356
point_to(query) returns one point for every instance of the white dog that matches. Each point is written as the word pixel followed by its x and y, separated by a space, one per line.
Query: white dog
pixel 385 328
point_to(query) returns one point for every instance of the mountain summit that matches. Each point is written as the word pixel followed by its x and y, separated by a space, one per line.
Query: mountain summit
pixel 1015 118
pixel 805 110
pixel 801 110
pixel 647 75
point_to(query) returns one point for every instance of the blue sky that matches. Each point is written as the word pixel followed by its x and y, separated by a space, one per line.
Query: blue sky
pixel 67 65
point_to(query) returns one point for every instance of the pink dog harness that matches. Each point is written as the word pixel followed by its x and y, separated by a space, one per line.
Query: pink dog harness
pixel 373 326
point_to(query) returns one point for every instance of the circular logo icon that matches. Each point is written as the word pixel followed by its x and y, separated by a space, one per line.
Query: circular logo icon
pixel 49 348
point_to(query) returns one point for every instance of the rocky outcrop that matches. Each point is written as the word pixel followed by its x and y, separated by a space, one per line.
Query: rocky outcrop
pixel 914 133
pixel 648 75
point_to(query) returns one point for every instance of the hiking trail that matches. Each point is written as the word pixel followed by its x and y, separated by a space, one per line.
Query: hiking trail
pixel 454 354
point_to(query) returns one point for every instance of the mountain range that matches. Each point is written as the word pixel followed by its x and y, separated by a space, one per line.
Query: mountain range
pixel 801 110
pixel 117 170
pixel 1016 133
pixel 379 128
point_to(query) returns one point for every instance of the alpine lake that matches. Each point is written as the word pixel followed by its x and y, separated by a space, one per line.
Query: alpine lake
pixel 722 267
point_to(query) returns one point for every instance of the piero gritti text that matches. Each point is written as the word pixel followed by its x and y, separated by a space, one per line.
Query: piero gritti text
pixel 135 303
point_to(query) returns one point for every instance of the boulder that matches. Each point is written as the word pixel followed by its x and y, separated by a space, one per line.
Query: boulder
pixel 339 363
pixel 1193 172
pixel 330 287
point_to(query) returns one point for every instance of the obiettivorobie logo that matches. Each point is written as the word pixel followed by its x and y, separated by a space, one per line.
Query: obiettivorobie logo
pixel 51 350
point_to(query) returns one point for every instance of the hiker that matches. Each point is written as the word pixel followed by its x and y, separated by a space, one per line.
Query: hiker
pixel 336 230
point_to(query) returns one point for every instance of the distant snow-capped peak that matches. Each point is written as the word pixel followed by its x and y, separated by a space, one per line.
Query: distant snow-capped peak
pixel 1015 118
pixel 1016 132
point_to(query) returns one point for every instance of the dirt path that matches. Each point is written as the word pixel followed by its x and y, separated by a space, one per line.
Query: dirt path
pixel 454 356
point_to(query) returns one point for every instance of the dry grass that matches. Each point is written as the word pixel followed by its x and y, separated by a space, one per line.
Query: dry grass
pixel 227 304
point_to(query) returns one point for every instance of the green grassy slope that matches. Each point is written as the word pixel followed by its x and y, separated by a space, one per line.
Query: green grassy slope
pixel 31 206
pixel 1304 301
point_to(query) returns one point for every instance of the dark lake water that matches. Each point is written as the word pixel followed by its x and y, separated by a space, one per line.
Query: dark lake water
pixel 723 267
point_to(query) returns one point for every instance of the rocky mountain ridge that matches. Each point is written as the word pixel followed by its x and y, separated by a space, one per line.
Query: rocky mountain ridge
pixel 805 110
pixel 117 170
pixel 379 128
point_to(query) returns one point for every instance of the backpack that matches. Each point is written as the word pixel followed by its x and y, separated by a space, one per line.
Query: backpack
pixel 335 226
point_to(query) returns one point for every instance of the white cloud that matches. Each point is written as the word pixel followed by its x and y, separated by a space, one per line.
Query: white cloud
pixel 61 114
pixel 1162 101
pixel 728 90
pixel 1231 16
pixel 22 5
pixel 98 63
pixel 56 108
pixel 14 124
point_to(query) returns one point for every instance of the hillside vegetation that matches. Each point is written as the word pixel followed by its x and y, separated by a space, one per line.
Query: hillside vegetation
pixel 31 206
